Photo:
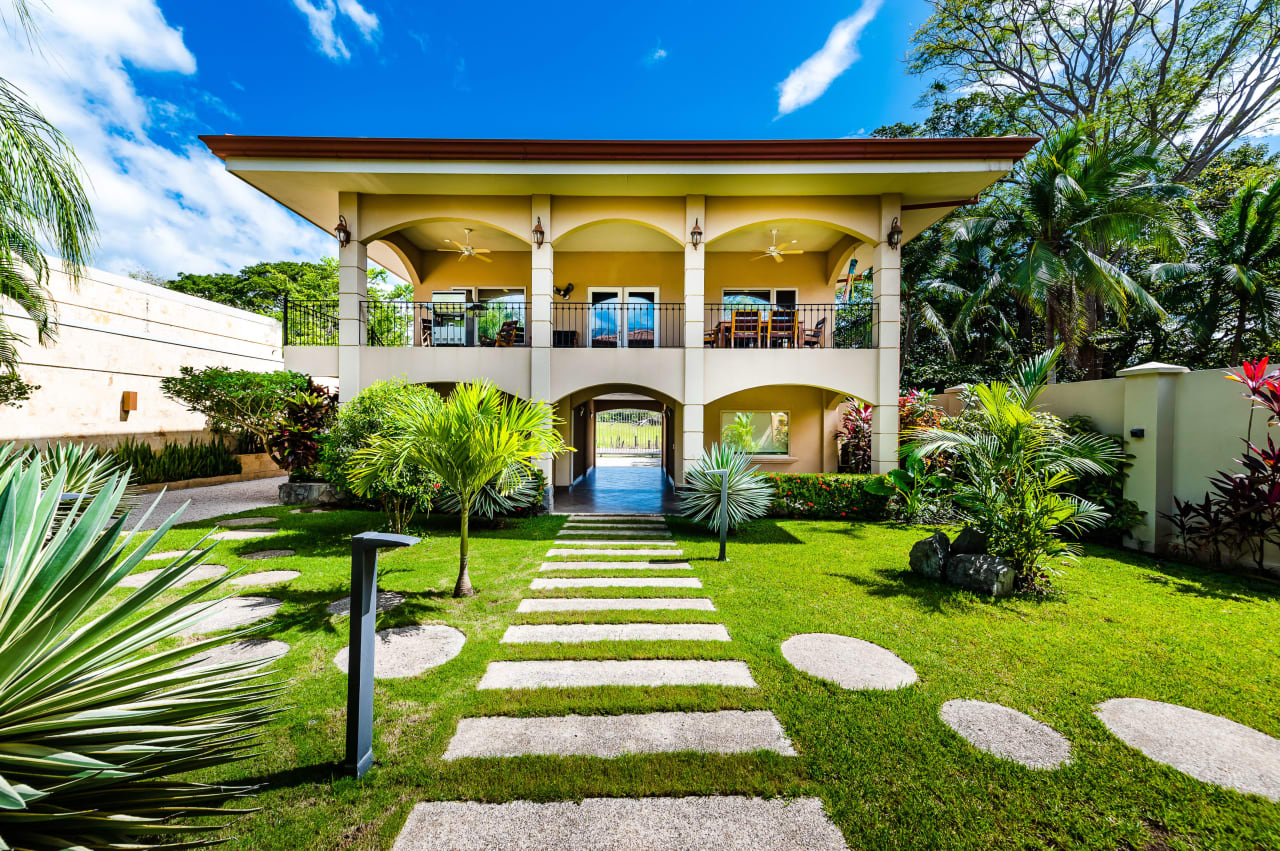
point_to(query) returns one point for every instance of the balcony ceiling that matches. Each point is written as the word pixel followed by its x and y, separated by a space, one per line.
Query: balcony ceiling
pixel 432 235
pixel 809 236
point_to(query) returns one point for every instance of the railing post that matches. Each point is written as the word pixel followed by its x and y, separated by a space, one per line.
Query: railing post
pixel 284 319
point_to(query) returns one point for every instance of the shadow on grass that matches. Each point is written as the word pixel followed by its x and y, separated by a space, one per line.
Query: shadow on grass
pixel 761 531
pixel 302 775
pixel 309 612
pixel 1203 582
pixel 934 595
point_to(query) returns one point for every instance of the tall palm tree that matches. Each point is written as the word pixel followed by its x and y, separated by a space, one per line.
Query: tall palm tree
pixel 476 435
pixel 42 203
pixel 1240 262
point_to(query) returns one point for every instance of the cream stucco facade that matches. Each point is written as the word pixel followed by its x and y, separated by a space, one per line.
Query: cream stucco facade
pixel 628 267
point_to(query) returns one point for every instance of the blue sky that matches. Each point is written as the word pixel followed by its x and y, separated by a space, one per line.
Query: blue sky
pixel 132 82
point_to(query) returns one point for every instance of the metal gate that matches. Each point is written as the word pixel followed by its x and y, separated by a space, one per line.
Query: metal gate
pixel 630 432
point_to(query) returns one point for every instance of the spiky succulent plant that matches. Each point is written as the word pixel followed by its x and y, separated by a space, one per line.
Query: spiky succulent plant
pixel 749 494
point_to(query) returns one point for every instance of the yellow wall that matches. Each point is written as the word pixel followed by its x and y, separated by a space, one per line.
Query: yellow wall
pixel 443 270
pixel 806 406
pixel 663 269
pixel 736 270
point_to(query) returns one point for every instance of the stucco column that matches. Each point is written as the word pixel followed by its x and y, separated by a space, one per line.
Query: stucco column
pixel 886 289
pixel 694 309
pixel 541 287
pixel 353 288
pixel 1149 392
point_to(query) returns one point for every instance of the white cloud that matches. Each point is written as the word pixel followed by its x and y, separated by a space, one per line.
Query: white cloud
pixel 162 201
pixel 806 83
pixel 656 55
pixel 323 17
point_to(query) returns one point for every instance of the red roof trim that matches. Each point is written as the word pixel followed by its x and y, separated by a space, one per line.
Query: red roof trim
pixel 307 147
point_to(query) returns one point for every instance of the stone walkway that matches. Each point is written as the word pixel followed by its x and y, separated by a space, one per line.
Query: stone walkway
pixel 715 823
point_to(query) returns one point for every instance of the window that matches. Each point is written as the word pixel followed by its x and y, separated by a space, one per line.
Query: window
pixel 757 432
pixel 761 297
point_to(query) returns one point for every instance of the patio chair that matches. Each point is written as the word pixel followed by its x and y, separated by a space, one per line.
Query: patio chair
pixel 816 336
pixel 710 338
pixel 745 330
pixel 509 333
pixel 782 328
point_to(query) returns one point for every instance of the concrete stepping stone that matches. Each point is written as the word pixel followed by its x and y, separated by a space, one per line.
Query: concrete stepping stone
pixel 561 673
pixel 1208 747
pixel 598 542
pixel 248 521
pixel 230 613
pixel 617 582
pixel 242 534
pixel 266 577
pixel 608 604
pixel 578 633
pixel 615 565
pixel 387 600
pixel 261 554
pixel 616 735
pixel 568 551
pixel 848 662
pixel 578 524
pixel 407 651
pixel 261 650
pixel 202 573
pixel 711 823
pixel 635 533
pixel 619 517
pixel 167 555
pixel 1006 733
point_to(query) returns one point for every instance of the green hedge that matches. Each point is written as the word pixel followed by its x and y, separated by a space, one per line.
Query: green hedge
pixel 825 496
pixel 177 462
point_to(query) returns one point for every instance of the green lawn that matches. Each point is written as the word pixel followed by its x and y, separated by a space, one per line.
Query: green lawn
pixel 891 773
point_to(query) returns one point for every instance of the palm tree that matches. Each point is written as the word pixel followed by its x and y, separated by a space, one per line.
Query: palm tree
pixel 1073 212
pixel 41 199
pixel 1240 263
pixel 476 435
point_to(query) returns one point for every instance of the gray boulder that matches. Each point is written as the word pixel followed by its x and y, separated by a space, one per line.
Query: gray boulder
pixel 970 542
pixel 929 557
pixel 308 493
pixel 983 574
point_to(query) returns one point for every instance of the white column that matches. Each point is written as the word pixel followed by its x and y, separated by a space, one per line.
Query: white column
pixel 886 290
pixel 541 286
pixel 694 308
pixel 1149 392
pixel 353 289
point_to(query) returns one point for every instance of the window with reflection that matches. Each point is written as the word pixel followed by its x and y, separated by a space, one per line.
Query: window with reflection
pixel 756 432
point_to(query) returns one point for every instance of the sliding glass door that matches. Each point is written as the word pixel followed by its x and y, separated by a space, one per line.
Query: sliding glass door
pixel 623 317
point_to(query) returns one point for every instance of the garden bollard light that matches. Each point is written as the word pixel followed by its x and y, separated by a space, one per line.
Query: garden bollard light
pixel 724 510
pixel 364 609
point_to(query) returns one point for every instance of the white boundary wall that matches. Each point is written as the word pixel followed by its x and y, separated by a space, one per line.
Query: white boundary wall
pixel 116 334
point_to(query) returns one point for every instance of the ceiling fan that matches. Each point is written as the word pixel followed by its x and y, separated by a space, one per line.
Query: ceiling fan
pixel 774 251
pixel 466 249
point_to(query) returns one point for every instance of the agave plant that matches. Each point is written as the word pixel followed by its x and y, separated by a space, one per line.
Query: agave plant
pixel 491 501
pixel 749 494
pixel 95 722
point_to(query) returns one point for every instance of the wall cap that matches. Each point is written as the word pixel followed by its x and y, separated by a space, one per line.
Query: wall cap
pixel 1152 368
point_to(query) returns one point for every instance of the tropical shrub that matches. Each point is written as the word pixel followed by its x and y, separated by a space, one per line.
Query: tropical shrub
pixel 403 490
pixel 831 496
pixel 491 503
pixel 96 723
pixel 749 494
pixel 235 400
pixel 854 436
pixel 176 462
pixel 294 440
pixel 1240 514
pixel 466 441
pixel 919 494
pixel 1107 492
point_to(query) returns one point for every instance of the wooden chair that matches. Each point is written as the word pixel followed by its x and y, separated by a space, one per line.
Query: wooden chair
pixel 782 328
pixel 710 337
pixel 508 333
pixel 816 337
pixel 745 329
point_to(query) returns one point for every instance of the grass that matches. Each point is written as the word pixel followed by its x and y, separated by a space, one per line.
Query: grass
pixel 890 773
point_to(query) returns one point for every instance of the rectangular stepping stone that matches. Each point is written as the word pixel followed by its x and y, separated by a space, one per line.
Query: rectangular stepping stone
pixel 615 735
pixel 558 551
pixel 601 542
pixel 578 633
pixel 641 533
pixel 579 524
pixel 713 823
pixel 563 673
pixel 612 604
pixel 618 582
pixel 616 565
pixel 623 517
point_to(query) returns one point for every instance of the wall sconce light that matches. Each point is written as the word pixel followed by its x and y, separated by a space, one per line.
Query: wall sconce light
pixel 343 232
pixel 564 291
pixel 129 400
pixel 539 235
pixel 895 233
pixel 695 235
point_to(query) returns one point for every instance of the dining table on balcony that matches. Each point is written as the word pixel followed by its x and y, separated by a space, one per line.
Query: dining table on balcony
pixel 750 329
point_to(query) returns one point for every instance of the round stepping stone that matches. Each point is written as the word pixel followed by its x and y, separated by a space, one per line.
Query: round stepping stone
pixel 386 600
pixel 1207 747
pixel 261 650
pixel 407 651
pixel 266 577
pixel 200 574
pixel 167 555
pixel 848 662
pixel 261 554
pixel 230 613
pixel 242 534
pixel 1006 733
pixel 248 521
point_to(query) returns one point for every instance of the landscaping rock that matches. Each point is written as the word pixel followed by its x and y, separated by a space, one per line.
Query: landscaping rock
pixel 970 542
pixel 929 557
pixel 308 493
pixel 981 573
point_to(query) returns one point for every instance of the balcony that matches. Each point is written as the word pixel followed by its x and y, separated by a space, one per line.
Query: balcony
pixel 762 325
pixel 610 324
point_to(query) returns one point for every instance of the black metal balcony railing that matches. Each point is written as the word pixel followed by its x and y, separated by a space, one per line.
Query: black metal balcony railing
pixel 634 325
pixel 748 325
pixel 310 323
pixel 415 323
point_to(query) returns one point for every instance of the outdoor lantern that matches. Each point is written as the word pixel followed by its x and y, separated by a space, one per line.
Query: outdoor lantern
pixel 342 232
pixel 539 235
pixel 895 233
pixel 695 235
